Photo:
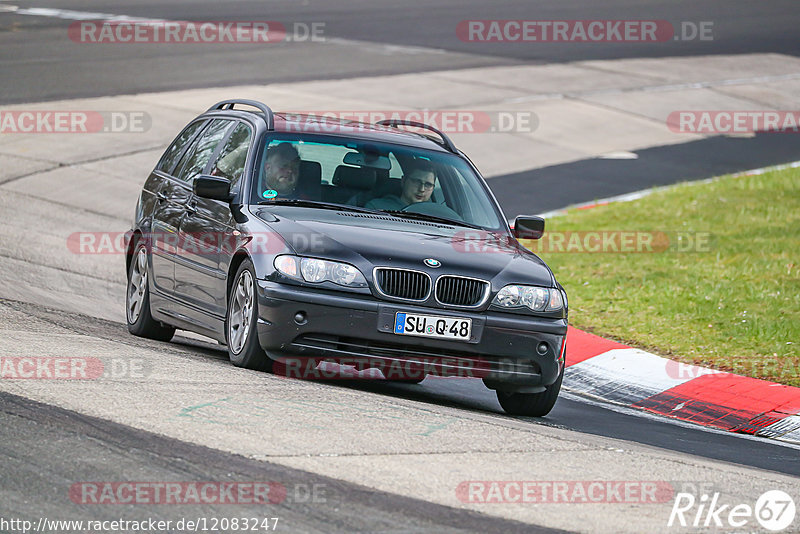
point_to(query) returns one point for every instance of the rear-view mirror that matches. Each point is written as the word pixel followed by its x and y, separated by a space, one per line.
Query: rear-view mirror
pixel 374 161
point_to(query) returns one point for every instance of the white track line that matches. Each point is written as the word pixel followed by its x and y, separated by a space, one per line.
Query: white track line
pixel 68 14
pixel 636 195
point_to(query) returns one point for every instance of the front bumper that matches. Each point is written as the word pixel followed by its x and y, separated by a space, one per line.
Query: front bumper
pixel 508 351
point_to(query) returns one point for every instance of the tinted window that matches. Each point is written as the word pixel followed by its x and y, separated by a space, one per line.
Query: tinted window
pixel 175 150
pixel 373 175
pixel 233 156
pixel 197 159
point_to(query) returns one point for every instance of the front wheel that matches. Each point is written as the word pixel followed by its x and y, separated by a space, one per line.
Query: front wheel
pixel 531 404
pixel 137 301
pixel 240 325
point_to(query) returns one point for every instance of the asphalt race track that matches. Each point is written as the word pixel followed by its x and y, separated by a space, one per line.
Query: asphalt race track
pixel 383 457
pixel 46 72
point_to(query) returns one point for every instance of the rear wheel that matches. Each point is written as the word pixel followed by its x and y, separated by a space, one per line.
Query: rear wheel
pixel 531 404
pixel 240 326
pixel 137 301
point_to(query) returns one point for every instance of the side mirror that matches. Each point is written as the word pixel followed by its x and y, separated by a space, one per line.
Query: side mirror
pixel 213 187
pixel 528 227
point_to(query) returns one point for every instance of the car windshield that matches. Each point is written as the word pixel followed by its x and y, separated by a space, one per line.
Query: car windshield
pixel 406 181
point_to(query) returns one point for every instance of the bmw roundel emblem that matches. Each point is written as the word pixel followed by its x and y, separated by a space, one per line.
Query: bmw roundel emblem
pixel 430 262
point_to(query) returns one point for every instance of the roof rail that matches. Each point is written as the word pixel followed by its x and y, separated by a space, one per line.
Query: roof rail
pixel 228 104
pixel 446 141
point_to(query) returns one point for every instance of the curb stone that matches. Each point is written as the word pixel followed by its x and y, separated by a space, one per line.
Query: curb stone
pixel 632 377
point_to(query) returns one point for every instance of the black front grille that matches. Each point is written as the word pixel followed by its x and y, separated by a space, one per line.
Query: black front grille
pixel 403 284
pixel 459 291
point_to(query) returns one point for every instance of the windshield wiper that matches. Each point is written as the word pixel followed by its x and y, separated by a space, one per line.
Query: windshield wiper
pixel 432 218
pixel 314 204
pixel 346 207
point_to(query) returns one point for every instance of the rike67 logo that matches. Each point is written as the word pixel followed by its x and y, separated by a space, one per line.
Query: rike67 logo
pixel 774 511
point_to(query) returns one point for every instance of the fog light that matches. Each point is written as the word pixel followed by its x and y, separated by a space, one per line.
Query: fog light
pixel 542 348
pixel 300 318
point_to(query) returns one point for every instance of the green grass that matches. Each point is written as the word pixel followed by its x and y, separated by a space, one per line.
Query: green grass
pixel 733 307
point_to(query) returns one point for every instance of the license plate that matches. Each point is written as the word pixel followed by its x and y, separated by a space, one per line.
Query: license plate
pixel 412 324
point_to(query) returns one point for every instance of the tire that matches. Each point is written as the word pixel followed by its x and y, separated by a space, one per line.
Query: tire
pixel 240 322
pixel 531 404
pixel 137 301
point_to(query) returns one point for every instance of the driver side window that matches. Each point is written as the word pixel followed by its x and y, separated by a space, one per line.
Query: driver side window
pixel 231 161
pixel 196 159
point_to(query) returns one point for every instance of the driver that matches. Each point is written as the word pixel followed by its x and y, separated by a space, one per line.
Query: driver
pixel 281 170
pixel 416 186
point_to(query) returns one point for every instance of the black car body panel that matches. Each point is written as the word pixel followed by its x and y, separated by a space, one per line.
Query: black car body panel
pixel 191 276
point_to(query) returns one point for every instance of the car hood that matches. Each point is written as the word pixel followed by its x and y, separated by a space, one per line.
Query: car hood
pixel 368 241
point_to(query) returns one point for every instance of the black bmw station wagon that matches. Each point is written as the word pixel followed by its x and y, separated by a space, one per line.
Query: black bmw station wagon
pixel 293 238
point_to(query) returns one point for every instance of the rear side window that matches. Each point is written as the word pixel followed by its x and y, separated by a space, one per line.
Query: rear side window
pixel 197 158
pixel 173 153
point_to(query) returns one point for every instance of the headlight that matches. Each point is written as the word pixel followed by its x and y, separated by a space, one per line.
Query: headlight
pixel 535 298
pixel 317 271
pixel 313 271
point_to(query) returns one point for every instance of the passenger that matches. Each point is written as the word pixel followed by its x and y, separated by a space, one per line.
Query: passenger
pixel 416 186
pixel 281 171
